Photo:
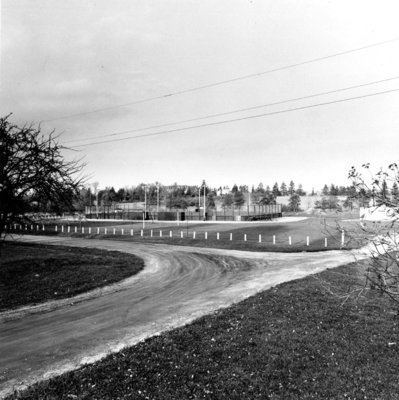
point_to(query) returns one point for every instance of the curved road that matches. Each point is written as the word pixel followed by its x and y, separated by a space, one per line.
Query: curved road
pixel 177 285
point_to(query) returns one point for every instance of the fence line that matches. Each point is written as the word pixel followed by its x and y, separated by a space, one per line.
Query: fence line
pixel 261 239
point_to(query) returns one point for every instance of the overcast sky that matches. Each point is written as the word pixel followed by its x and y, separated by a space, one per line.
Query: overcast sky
pixel 63 61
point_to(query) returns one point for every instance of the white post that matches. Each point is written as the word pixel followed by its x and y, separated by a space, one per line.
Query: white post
pixel 325 242
pixel 274 239
pixel 37 227
pixel 206 235
pixel 289 240
pixel 31 227
pixel 89 230
pixel 56 228
pixel 217 236
pixel 245 237
pixel 160 233
pixel 105 231
pixel 76 229
pixel 343 238
pixel 170 233
pixel 98 231
pixel 260 238
pixel 69 229
pixel 151 233
pixel 204 203
pixel 62 228
pixel 141 233
pixel 131 232
pixel 43 227
pixel 181 234
pixel 113 232
pixel 231 236
pixel 83 229
pixel 122 232
pixel 193 235
pixel 307 240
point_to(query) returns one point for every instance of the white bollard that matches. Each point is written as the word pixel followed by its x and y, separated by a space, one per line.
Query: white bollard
pixel 43 228
pixel 131 232
pixel 231 236
pixel 98 231
pixel 194 235
pixel 151 233
pixel 31 227
pixel 274 239
pixel 90 231
pixel 76 229
pixel 160 233
pixel 181 234
pixel 62 228
pixel 217 236
pixel 83 229
pixel 122 232
pixel 245 237
pixel 141 233
pixel 307 240
pixel 170 233
pixel 113 232
pixel 37 227
pixel 15 227
pixel 343 238
pixel 289 240
pixel 260 238
pixel 325 242
pixel 69 229
pixel 56 228
pixel 105 231
pixel 206 235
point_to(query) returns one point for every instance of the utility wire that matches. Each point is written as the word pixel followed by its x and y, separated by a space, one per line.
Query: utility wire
pixel 232 112
pixel 224 82
pixel 239 119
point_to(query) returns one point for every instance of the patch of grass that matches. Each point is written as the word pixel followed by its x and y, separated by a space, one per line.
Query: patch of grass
pixel 31 274
pixel 295 341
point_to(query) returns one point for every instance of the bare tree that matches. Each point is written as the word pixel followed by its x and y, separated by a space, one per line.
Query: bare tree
pixel 383 271
pixel 33 169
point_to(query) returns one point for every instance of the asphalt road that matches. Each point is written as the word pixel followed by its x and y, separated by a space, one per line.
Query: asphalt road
pixel 177 285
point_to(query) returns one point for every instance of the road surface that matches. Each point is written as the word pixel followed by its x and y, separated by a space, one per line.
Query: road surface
pixel 177 285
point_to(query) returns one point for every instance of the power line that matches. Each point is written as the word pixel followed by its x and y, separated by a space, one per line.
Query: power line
pixel 233 111
pixel 224 82
pixel 240 119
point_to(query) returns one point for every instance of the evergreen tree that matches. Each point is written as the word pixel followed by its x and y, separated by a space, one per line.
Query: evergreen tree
pixel 283 189
pixel 276 190
pixel 291 188
pixel 294 202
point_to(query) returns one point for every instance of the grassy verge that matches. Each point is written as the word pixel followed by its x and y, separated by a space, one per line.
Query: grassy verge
pixel 295 341
pixel 32 274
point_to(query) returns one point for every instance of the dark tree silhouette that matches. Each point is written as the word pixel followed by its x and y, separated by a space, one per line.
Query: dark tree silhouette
pixel 32 168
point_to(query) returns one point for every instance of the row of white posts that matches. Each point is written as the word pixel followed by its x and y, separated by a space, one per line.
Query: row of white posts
pixel 89 230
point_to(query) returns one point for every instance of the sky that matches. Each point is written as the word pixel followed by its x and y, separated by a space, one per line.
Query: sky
pixel 91 69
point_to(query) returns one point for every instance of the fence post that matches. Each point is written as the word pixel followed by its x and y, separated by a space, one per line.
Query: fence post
pixel 343 238
pixel 62 228
pixel 37 227
pixel 105 231
pixel 245 237
pixel 141 233
pixel 231 236
pixel 122 232
pixel 113 232
pixel 90 230
pixel 43 228
pixel 69 229
pixel 194 235
pixel 289 240
pixel 131 232
pixel 170 233
pixel 307 240
pixel 274 239
pixel 260 238
pixel 325 242
pixel 151 232
pixel 31 227
pixel 76 229
pixel 98 231
pixel 56 228
pixel 217 236
pixel 206 235
pixel 83 229
pixel 181 234
pixel 160 233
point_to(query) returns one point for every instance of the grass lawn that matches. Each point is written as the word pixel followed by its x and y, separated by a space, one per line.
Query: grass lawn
pixel 316 228
pixel 294 341
pixel 31 274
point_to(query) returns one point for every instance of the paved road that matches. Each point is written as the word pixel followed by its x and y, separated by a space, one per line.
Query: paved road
pixel 177 285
